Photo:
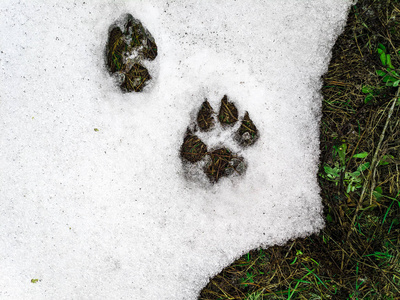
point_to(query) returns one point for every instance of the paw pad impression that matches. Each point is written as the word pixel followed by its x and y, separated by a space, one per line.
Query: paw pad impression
pixel 129 45
pixel 220 161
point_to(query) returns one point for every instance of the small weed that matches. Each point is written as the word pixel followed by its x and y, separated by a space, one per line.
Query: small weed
pixel 353 180
pixel 389 76
pixel 371 92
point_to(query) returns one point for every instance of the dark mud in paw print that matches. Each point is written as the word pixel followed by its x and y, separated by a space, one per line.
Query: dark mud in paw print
pixel 219 129
pixel 129 46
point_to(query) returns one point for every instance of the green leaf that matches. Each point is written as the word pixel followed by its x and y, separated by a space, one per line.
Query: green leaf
pixel 388 78
pixel 381 47
pixel 386 159
pixel 389 61
pixel 368 98
pixel 363 167
pixel 96 129
pixel 396 83
pixel 393 73
pixel 380 73
pixel 367 89
pixel 377 195
pixel 329 218
pixel 332 172
pixel 354 174
pixel 383 59
pixel 361 155
pixel 341 151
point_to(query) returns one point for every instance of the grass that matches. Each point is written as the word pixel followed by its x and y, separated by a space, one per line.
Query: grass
pixel 357 255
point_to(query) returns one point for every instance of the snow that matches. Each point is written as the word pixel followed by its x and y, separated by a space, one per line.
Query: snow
pixel 110 214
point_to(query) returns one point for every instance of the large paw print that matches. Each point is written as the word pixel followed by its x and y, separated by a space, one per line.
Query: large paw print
pixel 218 161
pixel 129 45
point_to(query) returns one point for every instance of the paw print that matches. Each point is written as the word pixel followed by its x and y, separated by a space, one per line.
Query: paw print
pixel 129 45
pixel 218 161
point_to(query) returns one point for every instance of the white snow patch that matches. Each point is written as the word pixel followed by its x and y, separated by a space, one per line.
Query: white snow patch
pixel 110 214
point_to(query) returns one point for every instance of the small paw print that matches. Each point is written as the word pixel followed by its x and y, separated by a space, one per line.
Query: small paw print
pixel 218 161
pixel 129 45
